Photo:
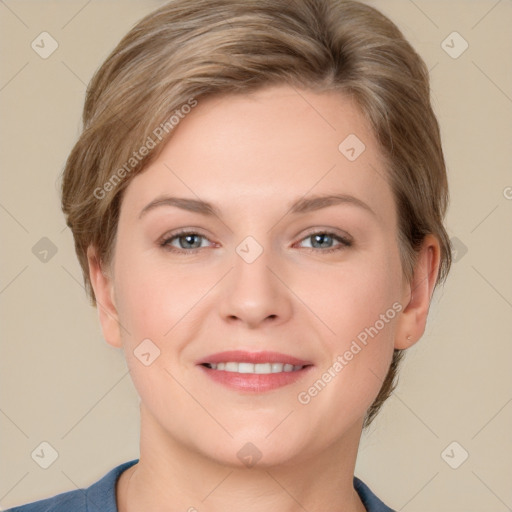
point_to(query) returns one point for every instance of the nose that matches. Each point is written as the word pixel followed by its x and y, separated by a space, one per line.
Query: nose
pixel 255 291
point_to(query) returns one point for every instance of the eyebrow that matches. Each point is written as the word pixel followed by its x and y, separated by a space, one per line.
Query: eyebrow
pixel 302 205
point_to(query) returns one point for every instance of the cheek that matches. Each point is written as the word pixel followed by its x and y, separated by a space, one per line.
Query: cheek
pixel 360 306
pixel 150 297
pixel 165 304
pixel 353 297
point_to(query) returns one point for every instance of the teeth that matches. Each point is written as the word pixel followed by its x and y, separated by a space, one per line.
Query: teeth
pixel 231 367
pixel 260 368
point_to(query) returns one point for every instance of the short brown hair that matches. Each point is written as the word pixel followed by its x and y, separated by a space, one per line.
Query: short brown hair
pixel 188 49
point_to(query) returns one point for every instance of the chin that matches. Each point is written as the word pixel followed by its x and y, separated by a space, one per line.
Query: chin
pixel 250 450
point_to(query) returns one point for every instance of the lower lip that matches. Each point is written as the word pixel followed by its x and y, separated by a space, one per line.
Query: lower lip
pixel 255 382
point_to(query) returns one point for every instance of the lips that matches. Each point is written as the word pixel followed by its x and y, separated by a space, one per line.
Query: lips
pixel 254 371
pixel 241 356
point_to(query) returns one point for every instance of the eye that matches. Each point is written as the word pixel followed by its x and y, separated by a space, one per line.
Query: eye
pixel 188 242
pixel 323 240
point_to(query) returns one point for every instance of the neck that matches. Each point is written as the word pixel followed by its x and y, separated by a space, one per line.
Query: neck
pixel 170 476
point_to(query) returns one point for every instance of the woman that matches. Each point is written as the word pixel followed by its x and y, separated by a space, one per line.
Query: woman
pixel 257 202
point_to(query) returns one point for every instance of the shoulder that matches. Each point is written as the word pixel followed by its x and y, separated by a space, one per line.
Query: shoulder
pixel 370 501
pixel 71 500
pixel 100 496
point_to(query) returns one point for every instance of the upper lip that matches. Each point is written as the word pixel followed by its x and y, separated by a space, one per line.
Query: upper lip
pixel 241 356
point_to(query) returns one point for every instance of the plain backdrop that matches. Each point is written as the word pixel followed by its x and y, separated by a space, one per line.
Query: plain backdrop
pixel 63 385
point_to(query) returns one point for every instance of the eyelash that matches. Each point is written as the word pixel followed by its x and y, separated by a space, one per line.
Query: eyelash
pixel 165 242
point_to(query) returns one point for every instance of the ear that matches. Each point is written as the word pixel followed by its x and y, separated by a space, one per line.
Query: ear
pixel 103 287
pixel 417 294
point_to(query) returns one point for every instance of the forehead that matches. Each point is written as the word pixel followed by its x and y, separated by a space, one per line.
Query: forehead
pixel 267 149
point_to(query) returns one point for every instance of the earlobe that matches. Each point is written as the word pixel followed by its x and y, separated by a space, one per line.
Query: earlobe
pixel 417 295
pixel 103 287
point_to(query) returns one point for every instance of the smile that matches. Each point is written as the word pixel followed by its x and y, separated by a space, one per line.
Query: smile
pixel 258 368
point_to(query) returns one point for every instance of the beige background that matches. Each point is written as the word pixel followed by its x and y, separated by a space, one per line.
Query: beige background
pixel 61 383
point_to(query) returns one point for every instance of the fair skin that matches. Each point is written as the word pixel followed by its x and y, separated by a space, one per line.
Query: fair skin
pixel 252 156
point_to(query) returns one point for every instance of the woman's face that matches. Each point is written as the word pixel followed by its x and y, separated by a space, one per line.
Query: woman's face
pixel 276 274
